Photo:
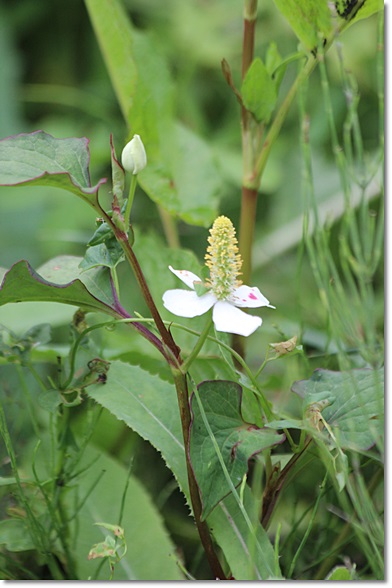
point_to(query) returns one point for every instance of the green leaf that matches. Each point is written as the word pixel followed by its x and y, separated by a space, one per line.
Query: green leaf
pixel 340 574
pixel 249 559
pixel 189 186
pixel 312 19
pixel 352 12
pixel 181 174
pixel 351 402
pixel 237 440
pixel 38 159
pixel 108 254
pixel 148 405
pixel 258 91
pixel 15 535
pixel 143 526
pixel 60 280
pixel 308 19
pixel 273 62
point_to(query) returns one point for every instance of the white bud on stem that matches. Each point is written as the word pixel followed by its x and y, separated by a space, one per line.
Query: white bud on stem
pixel 133 157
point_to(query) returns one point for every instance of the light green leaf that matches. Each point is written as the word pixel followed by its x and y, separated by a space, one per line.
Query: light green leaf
pixel 143 526
pixel 352 12
pixel 189 188
pixel 237 440
pixel 15 535
pixel 181 174
pixel 308 19
pixel 351 402
pixel 60 280
pixel 258 91
pixel 316 20
pixel 148 405
pixel 340 574
pixel 38 159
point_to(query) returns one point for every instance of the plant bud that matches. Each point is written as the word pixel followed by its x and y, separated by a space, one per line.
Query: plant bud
pixel 133 157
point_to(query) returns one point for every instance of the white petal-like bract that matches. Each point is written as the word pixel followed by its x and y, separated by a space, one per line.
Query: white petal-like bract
pixel 187 277
pixel 244 296
pixel 187 303
pixel 229 319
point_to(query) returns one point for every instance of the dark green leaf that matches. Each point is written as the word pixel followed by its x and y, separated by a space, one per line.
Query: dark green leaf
pixel 107 254
pixel 237 440
pixel 258 91
pixel 38 159
pixel 60 280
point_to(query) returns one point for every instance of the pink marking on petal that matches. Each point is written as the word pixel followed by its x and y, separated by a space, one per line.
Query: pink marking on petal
pixel 252 296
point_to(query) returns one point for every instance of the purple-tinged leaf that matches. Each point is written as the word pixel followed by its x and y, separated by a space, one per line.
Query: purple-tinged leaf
pixel 61 280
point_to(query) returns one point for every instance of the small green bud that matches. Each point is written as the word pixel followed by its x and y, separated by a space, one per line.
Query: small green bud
pixel 133 157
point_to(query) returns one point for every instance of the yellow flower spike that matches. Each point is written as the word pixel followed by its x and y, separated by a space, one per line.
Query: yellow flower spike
pixel 222 258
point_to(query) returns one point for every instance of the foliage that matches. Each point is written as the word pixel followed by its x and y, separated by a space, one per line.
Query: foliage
pixel 139 446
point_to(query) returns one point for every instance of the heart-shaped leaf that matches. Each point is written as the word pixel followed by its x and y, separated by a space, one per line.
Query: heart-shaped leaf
pixel 237 441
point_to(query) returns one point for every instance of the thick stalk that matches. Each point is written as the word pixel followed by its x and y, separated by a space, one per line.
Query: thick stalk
pixel 246 234
pixel 249 195
pixel 202 527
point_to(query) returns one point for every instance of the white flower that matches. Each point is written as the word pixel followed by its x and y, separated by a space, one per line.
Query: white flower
pixel 225 294
pixel 133 157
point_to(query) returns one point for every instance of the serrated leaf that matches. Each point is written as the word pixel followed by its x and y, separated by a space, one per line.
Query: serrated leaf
pixel 237 440
pixel 149 406
pixel 38 159
pixel 60 280
pixel 352 403
pixel 258 91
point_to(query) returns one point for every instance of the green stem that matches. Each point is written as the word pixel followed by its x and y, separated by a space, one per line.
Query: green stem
pixel 199 344
pixel 132 189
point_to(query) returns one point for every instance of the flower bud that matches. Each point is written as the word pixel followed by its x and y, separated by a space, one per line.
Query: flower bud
pixel 134 157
